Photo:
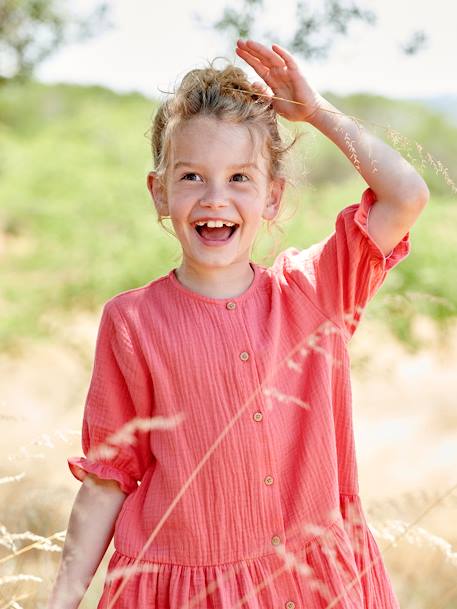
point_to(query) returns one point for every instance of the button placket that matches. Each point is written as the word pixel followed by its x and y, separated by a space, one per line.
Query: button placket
pixel 258 416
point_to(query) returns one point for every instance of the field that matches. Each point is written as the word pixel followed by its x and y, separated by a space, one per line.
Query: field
pixel 77 227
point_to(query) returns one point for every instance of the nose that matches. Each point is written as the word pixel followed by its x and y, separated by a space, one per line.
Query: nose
pixel 213 197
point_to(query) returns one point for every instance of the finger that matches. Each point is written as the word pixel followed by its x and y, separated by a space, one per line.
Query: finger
pixel 264 53
pixel 258 66
pixel 264 73
pixel 245 49
pixel 272 76
pixel 286 56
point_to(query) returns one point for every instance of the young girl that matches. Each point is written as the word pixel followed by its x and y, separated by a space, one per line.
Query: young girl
pixel 223 387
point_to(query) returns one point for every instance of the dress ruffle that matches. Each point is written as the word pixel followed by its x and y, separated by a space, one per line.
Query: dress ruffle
pixel 80 467
pixel 377 589
pixel 340 567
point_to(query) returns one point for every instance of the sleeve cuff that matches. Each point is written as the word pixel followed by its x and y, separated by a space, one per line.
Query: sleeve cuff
pixel 80 467
pixel 400 251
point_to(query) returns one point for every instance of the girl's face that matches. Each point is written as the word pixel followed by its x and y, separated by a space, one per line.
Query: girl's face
pixel 215 173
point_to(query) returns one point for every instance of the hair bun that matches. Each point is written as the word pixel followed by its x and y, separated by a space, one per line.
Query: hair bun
pixel 209 84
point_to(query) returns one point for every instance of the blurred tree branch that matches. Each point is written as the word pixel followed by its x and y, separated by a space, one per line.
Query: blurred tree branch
pixel 416 42
pixel 315 31
pixel 31 30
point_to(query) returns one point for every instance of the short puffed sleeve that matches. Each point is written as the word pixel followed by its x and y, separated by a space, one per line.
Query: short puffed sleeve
pixel 343 272
pixel 115 446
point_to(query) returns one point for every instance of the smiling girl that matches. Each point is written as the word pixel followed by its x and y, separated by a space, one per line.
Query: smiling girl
pixel 214 175
pixel 251 498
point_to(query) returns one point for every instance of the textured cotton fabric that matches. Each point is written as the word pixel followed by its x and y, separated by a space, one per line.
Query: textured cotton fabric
pixel 271 518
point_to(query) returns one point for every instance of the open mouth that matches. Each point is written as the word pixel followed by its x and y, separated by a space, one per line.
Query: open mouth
pixel 205 231
pixel 216 234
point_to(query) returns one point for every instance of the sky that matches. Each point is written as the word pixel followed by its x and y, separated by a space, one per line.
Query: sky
pixel 152 44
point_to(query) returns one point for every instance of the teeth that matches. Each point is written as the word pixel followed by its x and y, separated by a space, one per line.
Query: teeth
pixel 215 223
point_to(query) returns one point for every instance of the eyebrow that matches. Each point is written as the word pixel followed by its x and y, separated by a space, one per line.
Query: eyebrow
pixel 237 166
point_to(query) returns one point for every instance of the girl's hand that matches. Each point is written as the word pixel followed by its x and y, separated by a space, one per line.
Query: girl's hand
pixel 281 73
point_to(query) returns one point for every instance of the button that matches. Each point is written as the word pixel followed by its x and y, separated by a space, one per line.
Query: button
pixel 244 356
pixel 268 480
pixel 290 605
pixel 258 416
pixel 231 305
pixel 275 540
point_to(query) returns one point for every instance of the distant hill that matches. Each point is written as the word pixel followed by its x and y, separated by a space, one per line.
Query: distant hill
pixel 447 104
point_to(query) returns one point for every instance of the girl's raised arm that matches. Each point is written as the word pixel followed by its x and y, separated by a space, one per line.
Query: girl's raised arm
pixel 401 193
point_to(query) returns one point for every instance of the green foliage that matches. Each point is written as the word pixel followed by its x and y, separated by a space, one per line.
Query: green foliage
pixel 77 224
pixel 239 22
pixel 315 30
pixel 317 27
pixel 31 30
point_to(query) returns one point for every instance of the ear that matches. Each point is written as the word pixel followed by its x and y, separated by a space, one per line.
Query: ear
pixel 157 191
pixel 273 204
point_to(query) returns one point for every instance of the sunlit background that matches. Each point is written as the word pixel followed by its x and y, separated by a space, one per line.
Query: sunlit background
pixel 77 226
pixel 370 59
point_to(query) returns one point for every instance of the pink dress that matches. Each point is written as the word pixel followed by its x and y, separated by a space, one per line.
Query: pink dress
pixel 257 460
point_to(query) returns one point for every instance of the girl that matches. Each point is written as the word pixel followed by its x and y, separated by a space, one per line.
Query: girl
pixel 223 387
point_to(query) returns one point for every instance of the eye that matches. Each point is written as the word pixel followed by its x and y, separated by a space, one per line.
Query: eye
pixel 241 175
pixel 190 176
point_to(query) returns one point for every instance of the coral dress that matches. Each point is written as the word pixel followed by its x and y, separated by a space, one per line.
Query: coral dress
pixel 248 493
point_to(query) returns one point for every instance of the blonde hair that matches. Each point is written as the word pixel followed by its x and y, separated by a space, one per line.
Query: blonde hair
pixel 227 95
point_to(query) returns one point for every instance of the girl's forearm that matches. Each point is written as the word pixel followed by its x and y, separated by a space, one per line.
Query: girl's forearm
pixel 389 175
pixel 89 533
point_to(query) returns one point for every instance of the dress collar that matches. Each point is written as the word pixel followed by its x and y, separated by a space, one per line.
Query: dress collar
pixel 185 291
